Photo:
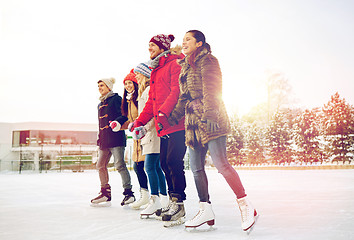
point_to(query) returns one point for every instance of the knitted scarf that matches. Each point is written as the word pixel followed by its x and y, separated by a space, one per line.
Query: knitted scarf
pixel 153 63
pixel 103 98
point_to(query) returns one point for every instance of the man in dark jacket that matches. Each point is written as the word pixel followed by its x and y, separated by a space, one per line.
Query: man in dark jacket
pixel 111 141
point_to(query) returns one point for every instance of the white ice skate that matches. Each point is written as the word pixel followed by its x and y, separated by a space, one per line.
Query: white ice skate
pixel 165 207
pixel 151 208
pixel 249 215
pixel 144 199
pixel 205 215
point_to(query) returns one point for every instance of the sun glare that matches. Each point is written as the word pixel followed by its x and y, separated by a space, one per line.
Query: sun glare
pixel 241 98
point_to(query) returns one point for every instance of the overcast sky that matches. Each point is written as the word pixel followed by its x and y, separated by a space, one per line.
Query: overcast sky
pixel 52 53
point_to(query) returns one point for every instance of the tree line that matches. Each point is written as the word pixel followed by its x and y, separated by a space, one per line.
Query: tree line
pixel 292 135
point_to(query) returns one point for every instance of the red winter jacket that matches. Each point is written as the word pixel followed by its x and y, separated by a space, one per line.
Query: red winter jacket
pixel 164 92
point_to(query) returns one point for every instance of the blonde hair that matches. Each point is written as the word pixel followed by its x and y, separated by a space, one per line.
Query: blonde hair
pixel 143 85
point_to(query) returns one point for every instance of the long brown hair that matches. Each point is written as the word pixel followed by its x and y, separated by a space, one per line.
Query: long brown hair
pixel 124 106
pixel 200 37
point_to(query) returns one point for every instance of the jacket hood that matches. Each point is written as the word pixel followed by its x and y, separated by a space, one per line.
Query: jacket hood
pixel 177 50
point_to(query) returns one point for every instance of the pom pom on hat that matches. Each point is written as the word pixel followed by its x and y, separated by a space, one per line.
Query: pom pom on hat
pixel 144 69
pixel 108 81
pixel 163 41
pixel 131 77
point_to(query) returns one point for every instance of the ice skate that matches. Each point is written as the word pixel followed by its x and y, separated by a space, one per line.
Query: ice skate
pixel 128 197
pixel 144 199
pixel 103 199
pixel 249 215
pixel 205 215
pixel 151 208
pixel 165 207
pixel 176 214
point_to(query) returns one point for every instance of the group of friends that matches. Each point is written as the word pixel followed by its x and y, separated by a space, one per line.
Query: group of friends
pixel 171 102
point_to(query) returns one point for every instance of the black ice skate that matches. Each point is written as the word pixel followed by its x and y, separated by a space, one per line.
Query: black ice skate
pixel 103 199
pixel 128 197
pixel 176 214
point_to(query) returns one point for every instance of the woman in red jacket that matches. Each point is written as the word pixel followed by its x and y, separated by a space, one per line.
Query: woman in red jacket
pixel 163 96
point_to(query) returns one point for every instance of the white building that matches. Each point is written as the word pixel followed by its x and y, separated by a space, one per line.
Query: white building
pixel 42 146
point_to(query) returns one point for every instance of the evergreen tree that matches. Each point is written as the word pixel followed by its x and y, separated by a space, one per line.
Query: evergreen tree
pixel 254 144
pixel 306 137
pixel 235 142
pixel 338 127
pixel 279 138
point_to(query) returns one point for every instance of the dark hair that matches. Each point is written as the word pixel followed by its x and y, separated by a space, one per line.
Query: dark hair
pixel 200 37
pixel 124 106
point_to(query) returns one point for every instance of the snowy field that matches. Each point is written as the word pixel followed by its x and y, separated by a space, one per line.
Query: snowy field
pixel 309 204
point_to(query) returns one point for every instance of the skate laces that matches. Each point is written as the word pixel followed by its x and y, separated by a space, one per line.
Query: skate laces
pixel 245 211
pixel 200 212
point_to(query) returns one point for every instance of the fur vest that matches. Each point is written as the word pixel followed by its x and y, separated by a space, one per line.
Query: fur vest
pixel 201 99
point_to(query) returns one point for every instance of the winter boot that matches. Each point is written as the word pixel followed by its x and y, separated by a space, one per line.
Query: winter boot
pixel 205 215
pixel 144 199
pixel 128 197
pixel 249 215
pixel 104 197
pixel 176 213
pixel 151 208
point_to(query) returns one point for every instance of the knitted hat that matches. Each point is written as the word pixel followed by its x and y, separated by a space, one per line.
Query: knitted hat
pixel 143 69
pixel 163 41
pixel 108 81
pixel 131 77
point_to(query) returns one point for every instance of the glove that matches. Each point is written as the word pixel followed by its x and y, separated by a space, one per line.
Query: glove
pixel 212 126
pixel 133 125
pixel 115 126
pixel 139 133
pixel 162 121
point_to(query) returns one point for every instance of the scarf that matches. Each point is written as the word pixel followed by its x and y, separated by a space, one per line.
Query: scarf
pixel 103 98
pixel 153 63
pixel 129 95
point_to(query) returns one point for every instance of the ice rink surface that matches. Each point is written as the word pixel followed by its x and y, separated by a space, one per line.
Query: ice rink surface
pixel 293 204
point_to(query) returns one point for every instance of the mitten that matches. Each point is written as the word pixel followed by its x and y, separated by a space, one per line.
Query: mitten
pixel 212 126
pixel 162 121
pixel 133 125
pixel 139 133
pixel 115 126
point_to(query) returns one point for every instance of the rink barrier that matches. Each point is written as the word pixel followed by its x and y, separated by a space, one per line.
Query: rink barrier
pixel 316 166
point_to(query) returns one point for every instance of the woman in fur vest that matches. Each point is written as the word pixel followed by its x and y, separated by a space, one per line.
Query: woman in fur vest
pixel 207 125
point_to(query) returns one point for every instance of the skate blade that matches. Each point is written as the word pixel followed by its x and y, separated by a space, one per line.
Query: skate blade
pixel 101 204
pixel 250 229
pixel 147 216
pixel 178 222
pixel 200 229
pixel 126 203
pixel 159 218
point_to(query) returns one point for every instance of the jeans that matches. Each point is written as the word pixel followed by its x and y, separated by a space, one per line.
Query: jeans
pixel 155 174
pixel 172 150
pixel 140 173
pixel 217 150
pixel 103 160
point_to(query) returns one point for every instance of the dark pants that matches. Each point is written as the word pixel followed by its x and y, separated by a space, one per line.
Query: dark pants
pixel 140 173
pixel 172 150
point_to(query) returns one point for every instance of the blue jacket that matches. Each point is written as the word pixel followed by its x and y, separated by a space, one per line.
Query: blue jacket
pixel 110 110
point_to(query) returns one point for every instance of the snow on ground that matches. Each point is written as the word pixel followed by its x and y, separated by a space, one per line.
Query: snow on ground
pixel 308 204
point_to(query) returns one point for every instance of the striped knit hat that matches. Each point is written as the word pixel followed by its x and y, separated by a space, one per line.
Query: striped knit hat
pixel 143 69
pixel 163 41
